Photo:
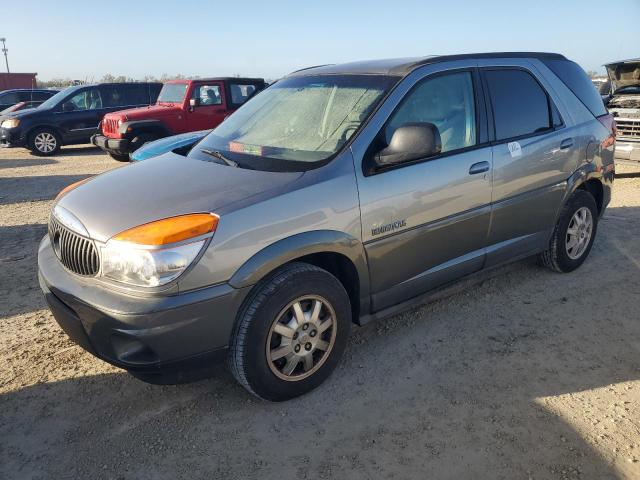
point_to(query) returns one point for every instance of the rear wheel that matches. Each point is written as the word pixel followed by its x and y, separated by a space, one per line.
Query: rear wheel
pixel 44 142
pixel 291 333
pixel 119 157
pixel 573 235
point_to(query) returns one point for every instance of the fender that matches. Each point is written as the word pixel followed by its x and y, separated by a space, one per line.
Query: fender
pixel 151 124
pixel 300 245
pixel 585 172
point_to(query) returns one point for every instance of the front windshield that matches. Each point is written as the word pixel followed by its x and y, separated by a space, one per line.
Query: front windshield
pixel 53 101
pixel 299 119
pixel 172 93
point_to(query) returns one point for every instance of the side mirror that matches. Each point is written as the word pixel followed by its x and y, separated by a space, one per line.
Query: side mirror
pixel 68 107
pixel 410 141
pixel 193 103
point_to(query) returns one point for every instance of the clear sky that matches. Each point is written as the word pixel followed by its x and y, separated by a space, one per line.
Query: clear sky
pixel 86 40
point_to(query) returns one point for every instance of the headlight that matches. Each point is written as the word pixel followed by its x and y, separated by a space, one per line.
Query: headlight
pixel 146 268
pixel 156 253
pixel 11 123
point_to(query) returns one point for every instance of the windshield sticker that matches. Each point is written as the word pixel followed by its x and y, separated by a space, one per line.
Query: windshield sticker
pixel 514 149
pixel 244 148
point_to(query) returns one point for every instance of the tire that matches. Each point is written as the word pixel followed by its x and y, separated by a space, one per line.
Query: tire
pixel 44 142
pixel 561 257
pixel 257 356
pixel 119 157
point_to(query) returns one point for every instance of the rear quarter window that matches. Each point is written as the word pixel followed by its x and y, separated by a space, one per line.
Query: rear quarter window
pixel 576 80
pixel 520 105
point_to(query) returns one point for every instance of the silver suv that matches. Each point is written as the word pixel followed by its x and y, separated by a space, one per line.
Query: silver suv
pixel 341 194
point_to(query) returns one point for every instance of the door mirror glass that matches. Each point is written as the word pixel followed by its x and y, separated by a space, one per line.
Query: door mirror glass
pixel 411 141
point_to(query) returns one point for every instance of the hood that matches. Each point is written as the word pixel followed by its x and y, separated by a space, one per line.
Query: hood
pixel 624 73
pixel 150 112
pixel 169 185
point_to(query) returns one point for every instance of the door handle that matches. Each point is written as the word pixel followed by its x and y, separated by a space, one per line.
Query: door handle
pixel 566 143
pixel 479 167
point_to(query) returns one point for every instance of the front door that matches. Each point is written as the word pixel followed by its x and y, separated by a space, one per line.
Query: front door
pixel 210 106
pixel 80 115
pixel 425 223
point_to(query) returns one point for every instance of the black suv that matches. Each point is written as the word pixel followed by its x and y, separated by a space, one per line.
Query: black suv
pixel 72 115
pixel 31 97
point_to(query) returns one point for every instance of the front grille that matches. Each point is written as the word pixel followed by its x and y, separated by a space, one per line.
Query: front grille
pixel 109 125
pixel 628 128
pixel 77 253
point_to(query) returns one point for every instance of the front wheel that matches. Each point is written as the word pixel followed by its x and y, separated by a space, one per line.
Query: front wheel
pixel 291 332
pixel 573 235
pixel 44 142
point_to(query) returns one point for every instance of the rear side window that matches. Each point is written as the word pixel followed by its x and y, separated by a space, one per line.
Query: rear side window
pixel 10 98
pixel 574 77
pixel 138 94
pixel 240 93
pixel 520 105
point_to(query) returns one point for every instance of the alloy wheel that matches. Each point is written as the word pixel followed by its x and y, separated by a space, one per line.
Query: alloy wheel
pixel 45 142
pixel 579 233
pixel 301 338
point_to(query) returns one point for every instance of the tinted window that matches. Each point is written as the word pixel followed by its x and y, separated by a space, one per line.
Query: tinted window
pixel 578 82
pixel 207 95
pixel 89 99
pixel 240 93
pixel 9 98
pixel 447 101
pixel 40 96
pixel 520 105
pixel 114 96
pixel 137 94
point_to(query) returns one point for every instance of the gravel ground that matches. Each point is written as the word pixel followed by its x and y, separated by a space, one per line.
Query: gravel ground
pixel 520 373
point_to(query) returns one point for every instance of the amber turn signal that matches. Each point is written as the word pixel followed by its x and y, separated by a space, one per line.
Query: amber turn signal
pixel 68 188
pixel 170 230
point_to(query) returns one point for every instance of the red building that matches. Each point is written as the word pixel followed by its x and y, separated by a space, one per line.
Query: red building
pixel 17 80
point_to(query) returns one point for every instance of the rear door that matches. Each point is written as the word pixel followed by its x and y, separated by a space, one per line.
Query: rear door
pixel 425 223
pixel 210 106
pixel 533 155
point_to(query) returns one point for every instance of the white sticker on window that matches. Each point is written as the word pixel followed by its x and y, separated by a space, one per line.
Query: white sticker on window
pixel 514 149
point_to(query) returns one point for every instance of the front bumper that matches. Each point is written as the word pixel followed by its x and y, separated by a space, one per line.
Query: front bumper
pixel 12 137
pixel 161 339
pixel 627 151
pixel 118 146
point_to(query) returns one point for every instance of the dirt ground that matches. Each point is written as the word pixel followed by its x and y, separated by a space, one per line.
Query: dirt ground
pixel 521 373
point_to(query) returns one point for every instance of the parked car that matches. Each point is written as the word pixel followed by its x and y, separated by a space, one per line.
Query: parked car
pixel 343 193
pixel 72 115
pixel 180 144
pixel 15 108
pixel 31 97
pixel 623 101
pixel 183 106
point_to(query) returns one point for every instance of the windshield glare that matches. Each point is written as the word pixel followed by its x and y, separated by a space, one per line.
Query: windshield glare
pixel 299 119
pixel 172 93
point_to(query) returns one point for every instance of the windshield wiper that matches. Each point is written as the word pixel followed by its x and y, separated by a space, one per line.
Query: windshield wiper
pixel 219 156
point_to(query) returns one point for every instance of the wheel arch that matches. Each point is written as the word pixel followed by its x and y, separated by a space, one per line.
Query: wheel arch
pixel 588 178
pixel 340 254
pixel 145 126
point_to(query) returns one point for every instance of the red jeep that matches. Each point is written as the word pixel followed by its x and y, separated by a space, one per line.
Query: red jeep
pixel 182 106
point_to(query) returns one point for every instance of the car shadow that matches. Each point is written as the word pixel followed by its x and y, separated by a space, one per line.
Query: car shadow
pixel 26 162
pixel 453 389
pixel 34 188
pixel 628 175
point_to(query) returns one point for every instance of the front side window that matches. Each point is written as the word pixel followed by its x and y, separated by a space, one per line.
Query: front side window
pixel 207 95
pixel 89 99
pixel 297 121
pixel 240 93
pixel 9 98
pixel 447 101
pixel 172 93
pixel 520 105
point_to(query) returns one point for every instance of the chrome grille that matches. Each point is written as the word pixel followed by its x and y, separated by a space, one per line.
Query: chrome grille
pixel 75 252
pixel 628 128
